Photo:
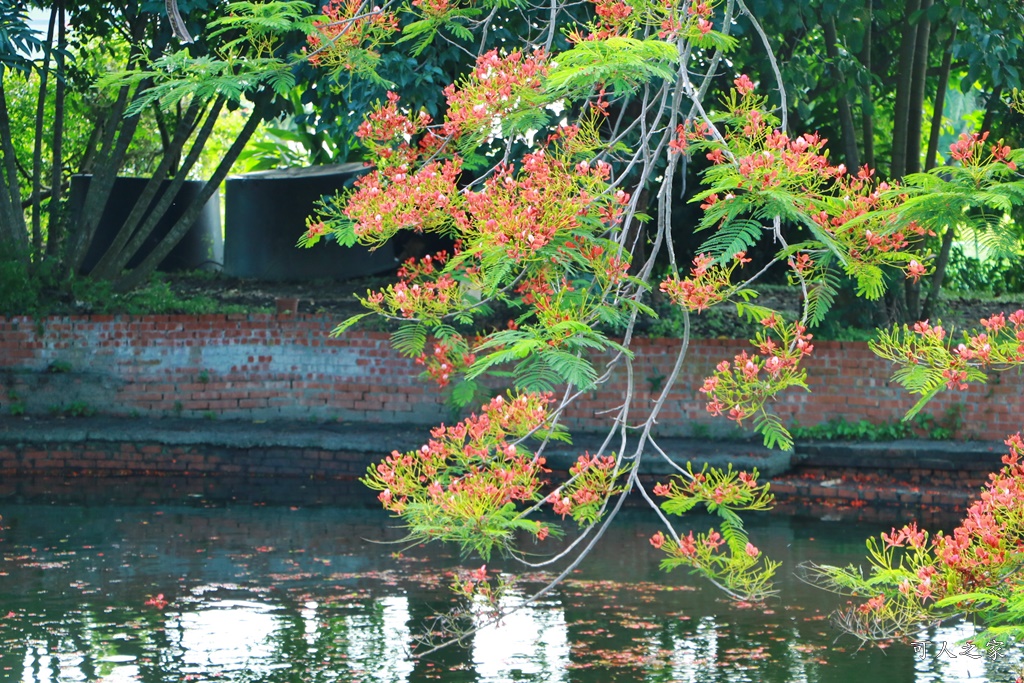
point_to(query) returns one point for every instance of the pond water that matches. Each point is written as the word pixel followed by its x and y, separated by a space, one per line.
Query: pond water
pixel 288 591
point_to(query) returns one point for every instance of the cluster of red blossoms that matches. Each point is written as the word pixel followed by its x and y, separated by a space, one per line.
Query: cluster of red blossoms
pixel 524 210
pixel 497 85
pixel 469 471
pixel 448 358
pixel 743 387
pixel 969 150
pixel 980 555
pixel 350 27
pixel 708 284
pixel 760 163
pixel 999 347
pixel 697 21
pixel 592 482
pixel 423 292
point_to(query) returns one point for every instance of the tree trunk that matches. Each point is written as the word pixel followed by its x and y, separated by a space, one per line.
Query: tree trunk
pixel 915 112
pixel 116 255
pixel 139 274
pixel 939 275
pixel 915 117
pixel 139 236
pixel 55 224
pixel 904 86
pixel 849 135
pixel 867 116
pixel 114 146
pixel 37 147
pixel 13 230
pixel 940 104
pixel 994 100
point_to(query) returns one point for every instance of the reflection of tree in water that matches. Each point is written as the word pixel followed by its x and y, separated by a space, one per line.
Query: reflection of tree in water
pixel 295 596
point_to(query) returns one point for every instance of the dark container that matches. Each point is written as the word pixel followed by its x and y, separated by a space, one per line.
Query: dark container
pixel 265 214
pixel 202 247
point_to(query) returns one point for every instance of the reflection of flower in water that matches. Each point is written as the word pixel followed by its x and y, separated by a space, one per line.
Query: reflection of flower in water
pixel 159 602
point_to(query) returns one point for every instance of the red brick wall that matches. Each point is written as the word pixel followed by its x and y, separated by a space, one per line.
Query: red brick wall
pixel 268 367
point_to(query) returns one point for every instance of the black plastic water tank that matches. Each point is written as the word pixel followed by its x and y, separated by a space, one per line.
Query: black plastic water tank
pixel 265 214
pixel 201 247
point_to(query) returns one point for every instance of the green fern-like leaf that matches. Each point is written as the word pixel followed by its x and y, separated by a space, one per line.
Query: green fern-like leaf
pixel 410 339
pixel 770 426
pixel 754 313
pixel 463 393
pixel 821 295
pixel 342 327
pixel 534 374
pixel 870 280
pixel 732 530
pixel 734 236
pixel 570 368
pixel 620 63
pixel 679 505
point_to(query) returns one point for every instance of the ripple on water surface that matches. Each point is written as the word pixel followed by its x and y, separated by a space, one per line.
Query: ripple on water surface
pixel 185 584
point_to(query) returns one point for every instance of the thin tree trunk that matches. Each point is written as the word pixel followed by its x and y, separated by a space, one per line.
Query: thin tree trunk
pixel 37 147
pixel 849 145
pixel 114 146
pixel 915 117
pixel 994 100
pixel 113 260
pixel 139 236
pixel 932 152
pixel 13 229
pixel 915 113
pixel 939 274
pixel 55 228
pixel 139 274
pixel 867 117
pixel 904 85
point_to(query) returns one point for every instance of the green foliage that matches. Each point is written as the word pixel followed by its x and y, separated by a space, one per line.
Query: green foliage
pixel 915 578
pixel 422 32
pixel 17 40
pixel 948 426
pixel 994 275
pixel 260 25
pixel 80 409
pixel 42 292
pixel 178 77
pixel 73 409
pixel 16 407
pixel 19 293
pixel 622 64
pixel 464 392
pixel 59 367
pixel 741 569
pixel 468 484
pixel 246 61
pixel 410 339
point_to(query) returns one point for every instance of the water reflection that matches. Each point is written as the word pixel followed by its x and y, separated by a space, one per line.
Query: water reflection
pixel 379 641
pixel 284 595
pixel 693 657
pixel 224 636
pixel 531 642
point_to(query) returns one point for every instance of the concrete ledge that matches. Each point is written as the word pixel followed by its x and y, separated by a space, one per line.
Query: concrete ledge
pixel 904 454
pixel 921 475
pixel 34 445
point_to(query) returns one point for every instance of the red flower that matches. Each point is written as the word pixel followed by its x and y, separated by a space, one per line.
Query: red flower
pixel 159 602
